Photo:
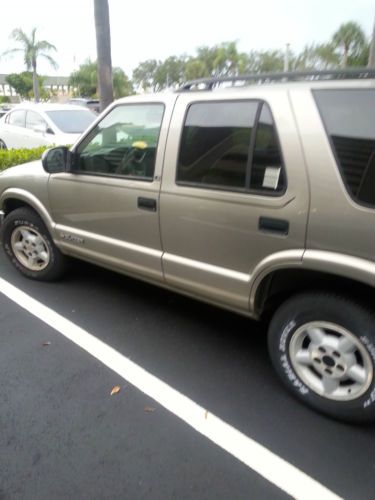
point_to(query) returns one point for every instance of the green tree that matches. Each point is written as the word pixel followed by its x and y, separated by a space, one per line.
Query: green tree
pixel 169 73
pixel 318 57
pixel 144 75
pixel 194 68
pixel 122 86
pixel 22 83
pixel 351 42
pixel 220 60
pixel 84 80
pixel 206 56
pixel 270 60
pixel 103 48
pixel 261 61
pixel 348 44
pixel 362 58
pixel 32 50
pixel 226 59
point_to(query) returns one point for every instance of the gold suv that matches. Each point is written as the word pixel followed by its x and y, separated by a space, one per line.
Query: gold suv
pixel 259 198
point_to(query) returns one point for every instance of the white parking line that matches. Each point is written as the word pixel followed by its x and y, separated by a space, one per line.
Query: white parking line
pixel 276 470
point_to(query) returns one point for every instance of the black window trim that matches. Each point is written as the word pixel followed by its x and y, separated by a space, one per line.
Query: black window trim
pixel 249 165
pixel 245 190
pixel 332 146
pixel 117 176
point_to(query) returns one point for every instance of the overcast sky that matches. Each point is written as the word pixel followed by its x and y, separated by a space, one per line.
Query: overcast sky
pixel 156 29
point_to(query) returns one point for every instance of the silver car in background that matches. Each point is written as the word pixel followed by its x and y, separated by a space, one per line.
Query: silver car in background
pixel 30 125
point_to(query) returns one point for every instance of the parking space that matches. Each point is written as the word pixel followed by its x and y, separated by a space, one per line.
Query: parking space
pixel 65 436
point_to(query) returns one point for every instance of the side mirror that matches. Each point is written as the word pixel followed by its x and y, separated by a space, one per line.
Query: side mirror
pixel 56 160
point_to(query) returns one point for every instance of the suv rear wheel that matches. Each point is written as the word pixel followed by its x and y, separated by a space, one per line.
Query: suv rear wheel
pixel 29 246
pixel 323 348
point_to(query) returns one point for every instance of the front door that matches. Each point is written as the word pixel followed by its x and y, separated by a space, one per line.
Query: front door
pixel 36 130
pixel 106 208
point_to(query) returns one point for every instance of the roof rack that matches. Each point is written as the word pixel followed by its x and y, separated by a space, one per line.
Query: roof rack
pixel 289 76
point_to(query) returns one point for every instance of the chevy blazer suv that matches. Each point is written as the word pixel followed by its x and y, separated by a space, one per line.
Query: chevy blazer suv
pixel 256 198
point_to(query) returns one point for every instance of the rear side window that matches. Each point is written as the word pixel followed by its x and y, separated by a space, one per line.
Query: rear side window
pixel 266 172
pixel 230 145
pixel 349 118
pixel 17 118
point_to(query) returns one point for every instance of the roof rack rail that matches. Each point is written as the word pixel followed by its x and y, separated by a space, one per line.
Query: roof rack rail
pixel 289 76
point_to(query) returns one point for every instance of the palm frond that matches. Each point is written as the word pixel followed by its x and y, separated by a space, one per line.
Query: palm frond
pixel 20 36
pixel 11 51
pixel 44 45
pixel 52 62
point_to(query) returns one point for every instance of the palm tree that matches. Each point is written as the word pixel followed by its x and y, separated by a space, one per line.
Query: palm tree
pixel 103 47
pixel 351 39
pixel 32 49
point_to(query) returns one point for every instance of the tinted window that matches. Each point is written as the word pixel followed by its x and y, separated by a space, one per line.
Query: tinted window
pixel 72 121
pixel 124 142
pixel 218 147
pixel 17 118
pixel 215 143
pixel 349 118
pixel 266 171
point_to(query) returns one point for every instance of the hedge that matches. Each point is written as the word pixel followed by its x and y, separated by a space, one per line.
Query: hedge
pixel 11 157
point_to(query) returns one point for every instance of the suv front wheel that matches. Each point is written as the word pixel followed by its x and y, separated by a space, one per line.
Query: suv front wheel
pixel 30 247
pixel 323 348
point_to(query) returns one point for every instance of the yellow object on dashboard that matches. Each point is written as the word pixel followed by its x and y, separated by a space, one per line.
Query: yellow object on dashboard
pixel 139 144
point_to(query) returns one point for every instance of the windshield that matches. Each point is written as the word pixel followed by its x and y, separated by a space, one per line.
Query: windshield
pixel 72 121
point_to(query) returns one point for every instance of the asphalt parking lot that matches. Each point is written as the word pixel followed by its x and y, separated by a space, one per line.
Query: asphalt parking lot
pixel 64 436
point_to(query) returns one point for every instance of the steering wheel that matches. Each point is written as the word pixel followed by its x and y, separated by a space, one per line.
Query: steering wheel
pixel 132 161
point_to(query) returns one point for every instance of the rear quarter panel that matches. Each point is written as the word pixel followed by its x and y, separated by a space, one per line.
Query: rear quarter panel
pixel 336 222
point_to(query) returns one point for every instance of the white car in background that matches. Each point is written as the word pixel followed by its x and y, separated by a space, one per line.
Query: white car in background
pixel 30 125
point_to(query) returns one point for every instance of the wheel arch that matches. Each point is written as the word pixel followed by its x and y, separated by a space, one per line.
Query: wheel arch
pixel 14 198
pixel 278 285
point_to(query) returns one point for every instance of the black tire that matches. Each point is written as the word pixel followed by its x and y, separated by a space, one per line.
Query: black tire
pixel 323 349
pixel 37 257
pixel 2 144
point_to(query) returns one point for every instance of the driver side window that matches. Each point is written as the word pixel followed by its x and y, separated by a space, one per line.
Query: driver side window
pixel 124 143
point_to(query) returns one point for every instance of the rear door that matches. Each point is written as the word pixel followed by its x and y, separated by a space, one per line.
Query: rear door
pixel 13 130
pixel 234 192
